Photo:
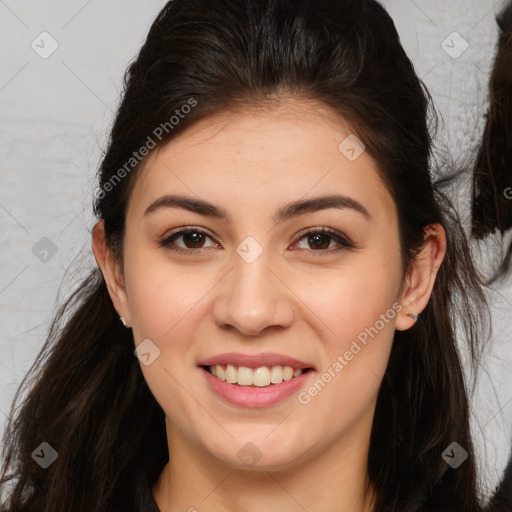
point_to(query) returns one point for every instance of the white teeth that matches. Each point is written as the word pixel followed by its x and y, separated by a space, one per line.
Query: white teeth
pixel 276 374
pixel 261 377
pixel 231 374
pixel 244 376
pixel 287 373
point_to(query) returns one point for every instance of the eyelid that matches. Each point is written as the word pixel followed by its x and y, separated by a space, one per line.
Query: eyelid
pixel 333 233
pixel 344 242
pixel 165 241
pixel 184 229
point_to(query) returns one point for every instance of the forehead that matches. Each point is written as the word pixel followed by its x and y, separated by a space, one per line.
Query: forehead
pixel 262 155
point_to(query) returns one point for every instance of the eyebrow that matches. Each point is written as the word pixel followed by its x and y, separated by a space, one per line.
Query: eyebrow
pixel 284 213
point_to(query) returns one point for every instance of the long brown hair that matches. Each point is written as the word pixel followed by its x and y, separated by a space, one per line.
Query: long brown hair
pixel 88 398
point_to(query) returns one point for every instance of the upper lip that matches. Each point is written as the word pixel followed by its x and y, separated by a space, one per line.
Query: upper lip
pixel 255 360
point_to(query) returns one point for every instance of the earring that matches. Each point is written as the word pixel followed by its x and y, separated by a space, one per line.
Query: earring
pixel 123 320
pixel 414 316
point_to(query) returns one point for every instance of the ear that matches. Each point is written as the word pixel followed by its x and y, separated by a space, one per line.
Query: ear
pixel 111 270
pixel 422 275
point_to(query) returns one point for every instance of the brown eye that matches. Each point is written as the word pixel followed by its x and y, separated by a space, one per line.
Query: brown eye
pixel 193 241
pixel 193 238
pixel 320 241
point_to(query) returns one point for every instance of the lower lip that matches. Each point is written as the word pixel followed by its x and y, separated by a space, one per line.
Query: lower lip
pixel 253 396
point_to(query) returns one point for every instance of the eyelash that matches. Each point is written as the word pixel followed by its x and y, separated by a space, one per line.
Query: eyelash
pixel 344 241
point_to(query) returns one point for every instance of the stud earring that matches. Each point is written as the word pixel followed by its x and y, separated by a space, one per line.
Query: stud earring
pixel 123 320
pixel 414 316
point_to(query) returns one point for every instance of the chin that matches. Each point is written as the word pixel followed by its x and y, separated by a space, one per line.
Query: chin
pixel 256 453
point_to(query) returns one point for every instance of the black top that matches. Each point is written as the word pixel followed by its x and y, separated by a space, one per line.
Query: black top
pixel 144 500
pixel 502 501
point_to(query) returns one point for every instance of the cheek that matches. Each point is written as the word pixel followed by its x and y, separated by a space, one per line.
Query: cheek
pixel 165 303
pixel 161 295
pixel 356 308
pixel 356 356
pixel 349 299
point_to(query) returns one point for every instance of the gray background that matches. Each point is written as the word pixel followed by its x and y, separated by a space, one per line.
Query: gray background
pixel 55 113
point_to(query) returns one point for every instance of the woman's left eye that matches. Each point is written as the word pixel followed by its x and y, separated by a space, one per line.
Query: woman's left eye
pixel 319 240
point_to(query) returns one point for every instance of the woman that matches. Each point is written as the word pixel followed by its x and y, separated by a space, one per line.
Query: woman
pixel 273 250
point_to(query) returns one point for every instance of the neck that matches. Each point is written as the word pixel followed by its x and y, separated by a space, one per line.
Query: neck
pixel 333 480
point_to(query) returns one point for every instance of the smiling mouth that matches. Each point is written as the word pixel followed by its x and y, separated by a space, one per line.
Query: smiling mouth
pixel 263 376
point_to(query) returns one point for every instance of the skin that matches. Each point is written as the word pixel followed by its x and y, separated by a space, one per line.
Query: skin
pixel 193 306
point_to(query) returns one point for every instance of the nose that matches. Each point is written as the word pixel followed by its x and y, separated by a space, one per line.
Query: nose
pixel 253 297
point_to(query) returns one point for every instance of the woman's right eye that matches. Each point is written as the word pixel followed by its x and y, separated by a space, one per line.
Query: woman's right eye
pixel 191 236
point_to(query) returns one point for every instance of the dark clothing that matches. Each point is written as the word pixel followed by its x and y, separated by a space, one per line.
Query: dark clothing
pixel 144 500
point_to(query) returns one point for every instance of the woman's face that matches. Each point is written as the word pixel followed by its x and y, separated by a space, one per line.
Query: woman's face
pixel 261 281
